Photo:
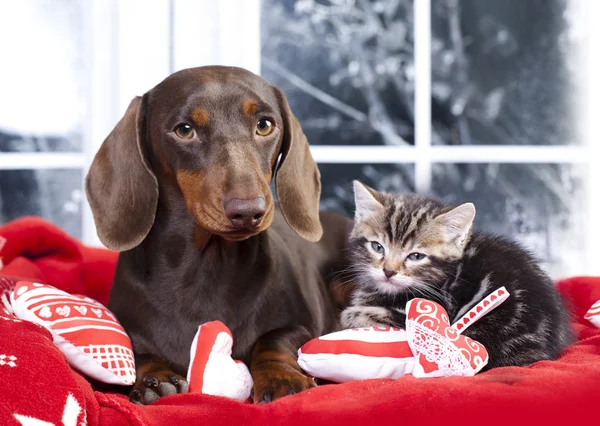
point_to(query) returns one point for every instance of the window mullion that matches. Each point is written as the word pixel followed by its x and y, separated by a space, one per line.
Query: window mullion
pixel 422 53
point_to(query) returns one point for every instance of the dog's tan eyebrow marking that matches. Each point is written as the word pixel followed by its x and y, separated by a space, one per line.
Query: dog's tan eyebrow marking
pixel 200 116
pixel 249 107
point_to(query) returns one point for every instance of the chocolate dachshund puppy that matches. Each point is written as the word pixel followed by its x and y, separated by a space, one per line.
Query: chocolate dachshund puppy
pixel 181 188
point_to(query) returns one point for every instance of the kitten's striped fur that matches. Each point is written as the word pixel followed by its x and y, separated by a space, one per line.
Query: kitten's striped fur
pixel 460 268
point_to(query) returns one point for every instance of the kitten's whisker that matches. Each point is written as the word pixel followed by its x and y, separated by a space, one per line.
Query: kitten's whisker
pixel 430 290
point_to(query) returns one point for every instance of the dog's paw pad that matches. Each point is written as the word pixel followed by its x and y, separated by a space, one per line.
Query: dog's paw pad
pixel 153 386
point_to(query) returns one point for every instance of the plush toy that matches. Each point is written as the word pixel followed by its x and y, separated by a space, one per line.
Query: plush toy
pixel 84 330
pixel 212 370
pixel 593 314
pixel 429 347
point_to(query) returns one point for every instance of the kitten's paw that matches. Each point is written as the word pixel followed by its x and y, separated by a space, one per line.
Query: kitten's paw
pixel 364 317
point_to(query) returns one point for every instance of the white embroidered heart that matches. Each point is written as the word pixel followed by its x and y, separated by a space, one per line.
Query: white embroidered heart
pixel 97 311
pixel 81 309
pixel 64 311
pixel 45 312
pixel 21 290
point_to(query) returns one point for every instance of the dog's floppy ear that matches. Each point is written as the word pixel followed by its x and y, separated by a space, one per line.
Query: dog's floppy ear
pixel 298 181
pixel 121 188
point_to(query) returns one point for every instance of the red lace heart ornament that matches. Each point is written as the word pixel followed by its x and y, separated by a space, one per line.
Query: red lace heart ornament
pixel 439 348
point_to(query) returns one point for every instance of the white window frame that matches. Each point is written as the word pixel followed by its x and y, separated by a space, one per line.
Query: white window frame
pixel 134 44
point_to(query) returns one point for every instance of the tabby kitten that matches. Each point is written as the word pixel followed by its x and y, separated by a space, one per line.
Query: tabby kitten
pixel 406 246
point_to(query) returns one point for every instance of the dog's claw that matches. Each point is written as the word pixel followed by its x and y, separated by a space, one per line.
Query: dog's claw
pixel 272 384
pixel 135 395
pixel 151 382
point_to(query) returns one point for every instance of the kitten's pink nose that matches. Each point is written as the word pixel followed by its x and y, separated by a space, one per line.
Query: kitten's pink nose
pixel 389 273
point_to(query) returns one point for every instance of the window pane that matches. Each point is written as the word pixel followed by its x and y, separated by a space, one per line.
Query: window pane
pixel 337 192
pixel 347 67
pixel 503 72
pixel 41 76
pixel 540 205
pixel 55 195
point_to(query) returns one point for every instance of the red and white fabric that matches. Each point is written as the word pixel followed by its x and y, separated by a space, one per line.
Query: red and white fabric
pixel 6 287
pixel 439 349
pixel 358 354
pixel 212 370
pixel 84 330
pixel 2 243
pixel 559 392
pixel 593 314
pixel 430 346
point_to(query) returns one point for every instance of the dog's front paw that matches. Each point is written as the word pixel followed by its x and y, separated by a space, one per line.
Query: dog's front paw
pixel 155 384
pixel 278 379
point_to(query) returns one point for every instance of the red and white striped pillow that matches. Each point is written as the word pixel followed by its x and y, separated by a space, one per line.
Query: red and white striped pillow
pixel 83 329
pixel 593 314
pixel 358 354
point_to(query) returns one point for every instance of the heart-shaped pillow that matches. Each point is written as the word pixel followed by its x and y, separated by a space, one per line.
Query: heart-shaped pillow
pixel 429 347
pixel 439 349
pixel 84 330
pixel 212 370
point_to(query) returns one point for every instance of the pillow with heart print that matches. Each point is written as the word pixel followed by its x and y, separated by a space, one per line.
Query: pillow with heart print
pixel 83 329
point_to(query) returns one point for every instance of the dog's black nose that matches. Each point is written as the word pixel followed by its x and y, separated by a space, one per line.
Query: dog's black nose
pixel 245 214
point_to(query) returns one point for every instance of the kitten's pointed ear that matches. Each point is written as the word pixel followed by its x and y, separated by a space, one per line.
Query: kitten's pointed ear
pixel 457 223
pixel 365 201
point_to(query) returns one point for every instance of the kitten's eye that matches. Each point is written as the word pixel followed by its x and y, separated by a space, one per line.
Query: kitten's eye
pixel 377 248
pixel 264 127
pixel 185 131
pixel 416 256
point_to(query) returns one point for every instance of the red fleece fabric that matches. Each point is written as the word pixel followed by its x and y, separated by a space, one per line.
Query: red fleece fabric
pixel 41 385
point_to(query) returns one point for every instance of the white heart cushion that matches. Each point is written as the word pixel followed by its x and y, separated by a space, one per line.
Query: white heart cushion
pixel 593 314
pixel 212 370
pixel 84 330
pixel 357 354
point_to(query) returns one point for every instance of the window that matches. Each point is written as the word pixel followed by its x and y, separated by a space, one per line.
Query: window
pixel 468 100
pixel 41 112
pixel 68 73
pixel 462 99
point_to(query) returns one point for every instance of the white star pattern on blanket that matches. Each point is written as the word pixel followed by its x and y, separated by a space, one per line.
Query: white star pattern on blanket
pixel 8 360
pixel 71 412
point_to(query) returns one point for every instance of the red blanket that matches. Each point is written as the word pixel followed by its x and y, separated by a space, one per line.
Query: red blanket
pixel 36 381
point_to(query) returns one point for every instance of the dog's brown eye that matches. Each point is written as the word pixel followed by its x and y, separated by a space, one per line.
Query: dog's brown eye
pixel 264 127
pixel 185 131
